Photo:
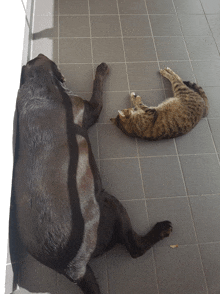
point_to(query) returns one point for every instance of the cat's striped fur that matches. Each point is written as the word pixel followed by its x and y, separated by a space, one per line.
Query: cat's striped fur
pixel 172 118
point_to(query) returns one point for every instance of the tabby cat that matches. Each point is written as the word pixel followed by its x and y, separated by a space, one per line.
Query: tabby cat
pixel 172 118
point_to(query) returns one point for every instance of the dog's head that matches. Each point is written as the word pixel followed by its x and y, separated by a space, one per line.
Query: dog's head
pixel 41 62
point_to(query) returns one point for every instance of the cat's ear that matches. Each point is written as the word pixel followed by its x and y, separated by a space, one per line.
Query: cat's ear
pixel 121 114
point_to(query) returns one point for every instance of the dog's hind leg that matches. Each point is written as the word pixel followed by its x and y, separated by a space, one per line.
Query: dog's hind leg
pixel 87 283
pixel 137 245
pixel 115 227
pixel 93 107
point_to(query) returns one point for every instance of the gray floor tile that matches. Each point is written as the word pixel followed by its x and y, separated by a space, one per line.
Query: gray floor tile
pixel 207 72
pixel 194 25
pixel 162 177
pixel 152 98
pixel 152 148
pixel 177 50
pixel 165 25
pixel 35 277
pixel 105 26
pixel 126 187
pixel 132 7
pixel 73 7
pixel 74 26
pixel 112 102
pixel 65 286
pixel 43 7
pixel 211 262
pixel 179 270
pixel 107 50
pixel 182 68
pixel 129 276
pixel 103 7
pixel 45 27
pixel 211 6
pixel 48 47
pixel 188 7
pixel 144 49
pixel 214 22
pixel 77 50
pixel 201 174
pixel 136 210
pixel 79 77
pixel 135 25
pixel 214 101
pixel 115 144
pixel 117 78
pixel 177 211
pixel 144 76
pixel 198 140
pixel 202 48
pixel 215 129
pixel 206 215
pixel 99 267
pixel 160 6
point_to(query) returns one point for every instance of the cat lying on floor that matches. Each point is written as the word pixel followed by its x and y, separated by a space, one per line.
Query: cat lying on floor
pixel 172 118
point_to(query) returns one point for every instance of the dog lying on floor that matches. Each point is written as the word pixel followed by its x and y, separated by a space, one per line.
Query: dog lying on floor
pixel 65 217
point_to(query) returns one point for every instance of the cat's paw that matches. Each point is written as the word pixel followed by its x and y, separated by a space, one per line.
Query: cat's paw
pixel 163 229
pixel 102 69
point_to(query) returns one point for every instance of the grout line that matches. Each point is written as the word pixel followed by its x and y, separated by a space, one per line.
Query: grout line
pixel 152 156
pixel 213 141
pixel 90 28
pixel 144 61
pixel 210 28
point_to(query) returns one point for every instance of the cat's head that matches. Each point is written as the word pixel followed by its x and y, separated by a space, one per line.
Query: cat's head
pixel 127 123
pixel 122 120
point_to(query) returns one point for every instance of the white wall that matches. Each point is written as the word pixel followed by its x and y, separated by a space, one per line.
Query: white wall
pixel 12 24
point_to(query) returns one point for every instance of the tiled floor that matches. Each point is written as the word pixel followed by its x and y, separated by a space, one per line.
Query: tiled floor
pixel 178 180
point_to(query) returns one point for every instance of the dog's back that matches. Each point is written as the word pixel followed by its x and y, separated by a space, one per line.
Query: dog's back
pixel 51 174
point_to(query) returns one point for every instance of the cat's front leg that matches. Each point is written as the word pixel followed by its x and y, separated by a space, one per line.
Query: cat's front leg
pixel 170 75
pixel 136 99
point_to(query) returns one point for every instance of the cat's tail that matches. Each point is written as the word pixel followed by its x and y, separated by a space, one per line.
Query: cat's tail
pixel 201 92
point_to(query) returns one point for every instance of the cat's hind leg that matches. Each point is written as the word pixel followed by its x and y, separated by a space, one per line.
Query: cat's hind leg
pixel 201 92
pixel 179 88
pixel 170 75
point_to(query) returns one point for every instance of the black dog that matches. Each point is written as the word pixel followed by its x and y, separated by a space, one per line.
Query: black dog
pixel 65 217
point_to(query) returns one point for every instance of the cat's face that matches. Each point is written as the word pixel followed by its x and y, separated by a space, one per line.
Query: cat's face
pixel 122 119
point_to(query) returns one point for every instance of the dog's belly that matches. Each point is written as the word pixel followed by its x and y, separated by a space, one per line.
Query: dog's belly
pixel 58 214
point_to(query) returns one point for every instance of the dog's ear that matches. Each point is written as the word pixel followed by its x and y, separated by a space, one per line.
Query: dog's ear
pixel 23 75
pixel 57 73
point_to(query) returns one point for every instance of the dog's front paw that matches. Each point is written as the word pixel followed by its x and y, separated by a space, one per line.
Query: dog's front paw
pixel 163 229
pixel 102 69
